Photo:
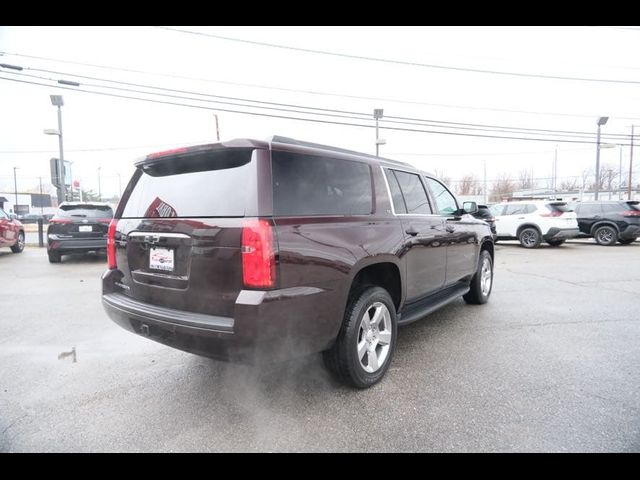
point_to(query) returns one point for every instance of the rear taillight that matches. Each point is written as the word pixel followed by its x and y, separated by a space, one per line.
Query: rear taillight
pixel 631 213
pixel 105 220
pixel 552 213
pixel 258 254
pixel 111 245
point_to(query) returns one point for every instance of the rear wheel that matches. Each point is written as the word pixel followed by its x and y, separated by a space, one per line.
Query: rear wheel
pixel 366 342
pixel 19 245
pixel 627 241
pixel 555 243
pixel 530 237
pixel 606 235
pixel 482 281
pixel 54 257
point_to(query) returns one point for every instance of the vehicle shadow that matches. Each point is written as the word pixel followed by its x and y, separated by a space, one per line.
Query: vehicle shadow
pixel 78 258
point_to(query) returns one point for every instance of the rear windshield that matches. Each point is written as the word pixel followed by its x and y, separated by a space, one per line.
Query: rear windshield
pixel 633 205
pixel 559 207
pixel 85 211
pixel 204 184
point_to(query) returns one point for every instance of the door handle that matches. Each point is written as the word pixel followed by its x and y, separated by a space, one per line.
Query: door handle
pixel 411 231
pixel 449 229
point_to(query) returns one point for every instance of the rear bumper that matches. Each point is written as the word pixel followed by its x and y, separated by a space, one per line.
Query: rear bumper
pixel 76 244
pixel 561 233
pixel 267 325
pixel 632 231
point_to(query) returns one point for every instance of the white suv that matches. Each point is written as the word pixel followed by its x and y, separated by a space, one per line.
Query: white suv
pixel 530 222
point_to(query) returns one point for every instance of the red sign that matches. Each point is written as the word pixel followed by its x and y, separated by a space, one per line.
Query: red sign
pixel 76 184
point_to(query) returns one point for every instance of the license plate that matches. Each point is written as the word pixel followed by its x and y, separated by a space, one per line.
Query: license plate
pixel 85 228
pixel 161 259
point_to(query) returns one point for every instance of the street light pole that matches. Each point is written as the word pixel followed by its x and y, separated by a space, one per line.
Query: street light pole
pixel 601 121
pixel 15 189
pixel 217 129
pixel 377 114
pixel 620 175
pixel 57 101
pixel 630 166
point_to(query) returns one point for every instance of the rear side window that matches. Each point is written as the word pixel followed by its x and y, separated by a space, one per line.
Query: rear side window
pixel 613 207
pixel 85 211
pixel 516 209
pixel 312 185
pixel 497 210
pixel 203 184
pixel 586 209
pixel 413 193
pixel 396 194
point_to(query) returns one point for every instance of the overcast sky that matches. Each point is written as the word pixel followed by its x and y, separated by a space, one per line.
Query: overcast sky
pixel 109 132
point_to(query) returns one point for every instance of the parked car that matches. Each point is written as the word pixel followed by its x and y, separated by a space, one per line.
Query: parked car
pixel 531 222
pixel 257 251
pixel 609 222
pixel 30 218
pixel 11 232
pixel 484 213
pixel 78 227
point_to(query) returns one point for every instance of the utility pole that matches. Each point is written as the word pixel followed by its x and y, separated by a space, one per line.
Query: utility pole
pixel 555 171
pixel 484 189
pixel 120 179
pixel 41 199
pixel 630 166
pixel 15 187
pixel 377 114
pixel 620 175
pixel 217 129
pixel 99 186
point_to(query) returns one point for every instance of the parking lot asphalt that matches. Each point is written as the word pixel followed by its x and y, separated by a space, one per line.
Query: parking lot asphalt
pixel 551 363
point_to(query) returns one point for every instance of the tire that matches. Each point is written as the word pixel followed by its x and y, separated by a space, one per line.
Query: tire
pixel 530 237
pixel 482 281
pixel 54 257
pixel 628 241
pixel 363 350
pixel 19 246
pixel 555 243
pixel 606 235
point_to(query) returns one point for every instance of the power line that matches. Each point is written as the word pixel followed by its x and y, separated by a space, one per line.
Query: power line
pixel 287 117
pixel 349 114
pixel 399 62
pixel 315 92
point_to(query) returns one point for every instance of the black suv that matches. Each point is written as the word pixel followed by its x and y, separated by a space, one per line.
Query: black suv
pixel 484 213
pixel 78 227
pixel 609 221
pixel 252 251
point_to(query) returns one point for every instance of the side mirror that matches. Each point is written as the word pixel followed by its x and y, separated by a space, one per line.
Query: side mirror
pixel 13 216
pixel 470 207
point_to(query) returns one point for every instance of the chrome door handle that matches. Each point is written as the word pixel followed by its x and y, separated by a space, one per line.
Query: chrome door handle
pixel 411 231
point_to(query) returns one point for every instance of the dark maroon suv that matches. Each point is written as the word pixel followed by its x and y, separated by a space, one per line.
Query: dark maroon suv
pixel 253 250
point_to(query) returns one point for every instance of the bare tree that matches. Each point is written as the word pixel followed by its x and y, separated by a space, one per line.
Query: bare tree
pixel 503 186
pixel 608 174
pixel 446 180
pixel 469 185
pixel 525 180
pixel 570 185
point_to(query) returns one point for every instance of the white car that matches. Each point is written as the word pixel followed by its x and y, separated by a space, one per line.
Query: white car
pixel 531 222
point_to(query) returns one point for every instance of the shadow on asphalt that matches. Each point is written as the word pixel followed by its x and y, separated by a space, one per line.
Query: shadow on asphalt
pixel 78 258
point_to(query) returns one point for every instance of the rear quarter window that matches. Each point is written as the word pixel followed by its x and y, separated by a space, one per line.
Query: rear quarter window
pixel 305 185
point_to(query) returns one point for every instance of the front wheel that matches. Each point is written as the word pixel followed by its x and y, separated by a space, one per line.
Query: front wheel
pixel 19 245
pixel 482 281
pixel 529 237
pixel 606 236
pixel 367 339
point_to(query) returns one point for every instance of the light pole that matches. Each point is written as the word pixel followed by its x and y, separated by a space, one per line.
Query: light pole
pixel 630 166
pixel 377 114
pixel 99 187
pixel 601 121
pixel 217 129
pixel 620 175
pixel 15 188
pixel 57 101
